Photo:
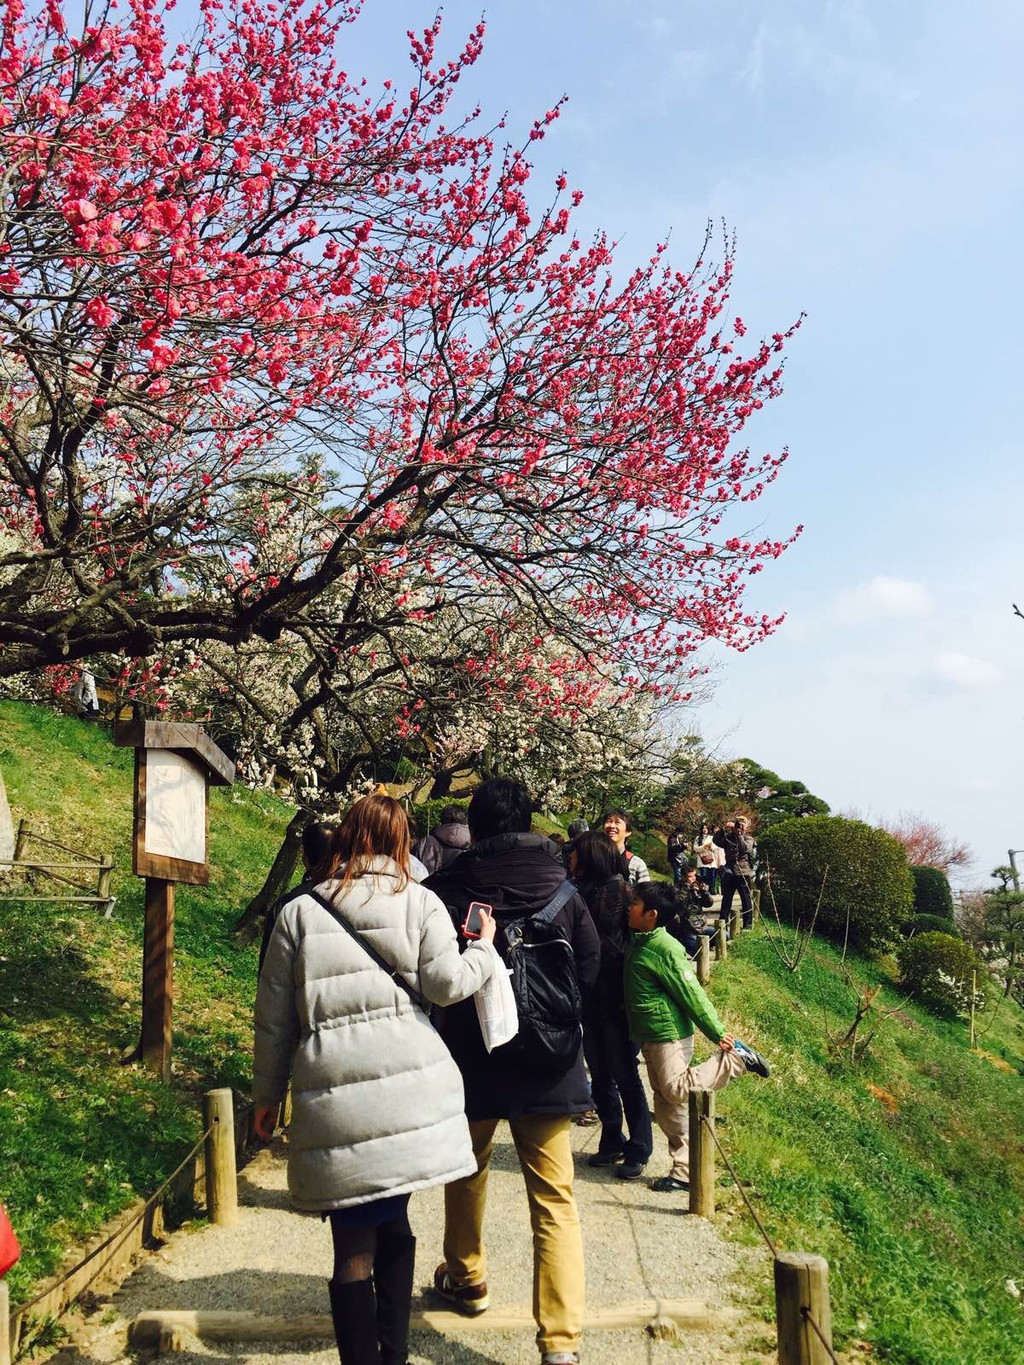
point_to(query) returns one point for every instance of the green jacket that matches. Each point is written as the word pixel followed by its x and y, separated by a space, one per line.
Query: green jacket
pixel 663 996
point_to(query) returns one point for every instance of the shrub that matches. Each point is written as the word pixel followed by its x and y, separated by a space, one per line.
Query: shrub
pixel 868 878
pixel 936 969
pixel 427 814
pixel 924 924
pixel 932 895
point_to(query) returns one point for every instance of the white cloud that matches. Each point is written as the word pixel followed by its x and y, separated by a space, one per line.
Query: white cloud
pixel 883 596
pixel 965 671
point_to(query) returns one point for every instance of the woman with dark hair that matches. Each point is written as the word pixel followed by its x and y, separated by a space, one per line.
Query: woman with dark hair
pixel 378 1108
pixel 595 865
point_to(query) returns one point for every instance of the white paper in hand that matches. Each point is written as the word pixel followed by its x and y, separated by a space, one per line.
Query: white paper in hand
pixel 496 1009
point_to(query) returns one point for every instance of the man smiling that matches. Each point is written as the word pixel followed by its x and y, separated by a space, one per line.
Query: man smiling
pixel 618 825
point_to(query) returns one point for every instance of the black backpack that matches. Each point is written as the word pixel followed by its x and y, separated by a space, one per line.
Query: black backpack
pixel 542 970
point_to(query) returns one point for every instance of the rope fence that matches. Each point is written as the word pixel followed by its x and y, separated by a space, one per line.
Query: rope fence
pixel 803 1310
pixel 220 1173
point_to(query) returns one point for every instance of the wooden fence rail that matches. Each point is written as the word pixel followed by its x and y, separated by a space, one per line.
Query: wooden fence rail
pixel 213 1161
pixel 97 868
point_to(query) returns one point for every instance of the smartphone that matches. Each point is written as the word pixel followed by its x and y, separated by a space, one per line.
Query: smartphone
pixel 474 919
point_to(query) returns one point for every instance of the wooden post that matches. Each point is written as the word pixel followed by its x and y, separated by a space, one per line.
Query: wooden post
pixel 702 1153
pixel 158 976
pixel 737 919
pixel 703 958
pixel 5 1324
pixel 22 839
pixel 755 897
pixel 974 991
pixel 721 946
pixel 801 1283
pixel 221 1175
pixel 106 868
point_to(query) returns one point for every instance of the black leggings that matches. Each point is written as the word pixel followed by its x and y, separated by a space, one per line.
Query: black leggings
pixel 356 1247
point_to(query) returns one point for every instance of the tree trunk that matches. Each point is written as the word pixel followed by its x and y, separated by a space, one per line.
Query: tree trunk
pixel 442 784
pixel 278 879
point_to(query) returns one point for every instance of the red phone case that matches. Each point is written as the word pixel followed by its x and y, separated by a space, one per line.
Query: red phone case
pixel 474 905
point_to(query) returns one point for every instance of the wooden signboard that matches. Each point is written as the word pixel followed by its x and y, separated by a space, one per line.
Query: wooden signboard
pixel 174 767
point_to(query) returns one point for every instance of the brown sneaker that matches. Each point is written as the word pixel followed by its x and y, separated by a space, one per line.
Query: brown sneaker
pixel 469 1299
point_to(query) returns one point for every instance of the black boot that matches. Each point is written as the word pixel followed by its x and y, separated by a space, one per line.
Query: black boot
pixel 393 1275
pixel 354 1312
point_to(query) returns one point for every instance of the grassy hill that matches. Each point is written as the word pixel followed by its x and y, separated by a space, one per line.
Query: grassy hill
pixel 81 1135
pixel 906 1171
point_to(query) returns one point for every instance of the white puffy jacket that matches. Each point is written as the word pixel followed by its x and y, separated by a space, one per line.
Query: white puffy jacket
pixel 377 1102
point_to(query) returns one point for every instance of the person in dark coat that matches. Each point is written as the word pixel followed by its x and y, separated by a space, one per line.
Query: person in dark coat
pixel 517 873
pixel 316 845
pixel 443 845
pixel 738 872
pixel 594 864
pixel 690 917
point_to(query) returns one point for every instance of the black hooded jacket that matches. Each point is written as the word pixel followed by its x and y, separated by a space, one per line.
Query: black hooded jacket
pixel 517 874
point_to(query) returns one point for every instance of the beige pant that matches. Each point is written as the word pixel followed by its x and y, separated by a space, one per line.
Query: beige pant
pixel 545 1156
pixel 672 1078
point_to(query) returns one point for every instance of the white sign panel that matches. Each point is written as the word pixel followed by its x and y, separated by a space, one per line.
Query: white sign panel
pixel 175 807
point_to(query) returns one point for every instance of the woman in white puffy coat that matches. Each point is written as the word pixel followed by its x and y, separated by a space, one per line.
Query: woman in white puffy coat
pixel 377 1102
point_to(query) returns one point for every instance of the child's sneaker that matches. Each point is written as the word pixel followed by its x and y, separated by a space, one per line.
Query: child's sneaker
pixel 669 1184
pixel 752 1060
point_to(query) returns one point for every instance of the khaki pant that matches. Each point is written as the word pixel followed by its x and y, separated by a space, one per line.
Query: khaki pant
pixel 672 1078
pixel 545 1156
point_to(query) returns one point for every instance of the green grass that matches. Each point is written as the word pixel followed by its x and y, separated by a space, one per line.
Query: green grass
pixel 80 1135
pixel 906 1172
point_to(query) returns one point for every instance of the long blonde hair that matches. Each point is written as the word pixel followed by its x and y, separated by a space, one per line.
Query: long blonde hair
pixel 375 827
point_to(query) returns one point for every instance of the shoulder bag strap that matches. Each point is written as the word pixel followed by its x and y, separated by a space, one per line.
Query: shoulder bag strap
pixel 562 896
pixel 371 952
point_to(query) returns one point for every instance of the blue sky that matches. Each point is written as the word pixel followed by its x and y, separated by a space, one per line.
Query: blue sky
pixel 867 155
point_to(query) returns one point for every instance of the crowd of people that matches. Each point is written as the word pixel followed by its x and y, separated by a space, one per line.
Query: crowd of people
pixel 365 1009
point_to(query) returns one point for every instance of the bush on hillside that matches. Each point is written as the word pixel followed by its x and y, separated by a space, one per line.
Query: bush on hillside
pixel 936 970
pixel 868 880
pixel 932 895
pixel 929 924
pixel 427 814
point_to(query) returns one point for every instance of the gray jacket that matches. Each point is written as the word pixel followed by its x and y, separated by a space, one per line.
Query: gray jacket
pixel 377 1101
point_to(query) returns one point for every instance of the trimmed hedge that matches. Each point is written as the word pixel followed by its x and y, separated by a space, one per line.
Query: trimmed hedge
pixel 868 879
pixel 929 924
pixel 932 894
pixel 936 969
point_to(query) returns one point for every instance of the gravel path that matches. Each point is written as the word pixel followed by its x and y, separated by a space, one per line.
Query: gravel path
pixel 638 1245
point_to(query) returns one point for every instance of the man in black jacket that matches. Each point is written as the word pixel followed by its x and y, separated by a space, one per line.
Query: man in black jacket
pixel 738 872
pixel 518 874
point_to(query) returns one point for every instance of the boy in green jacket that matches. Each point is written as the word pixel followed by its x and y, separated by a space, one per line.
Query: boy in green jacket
pixel 663 1002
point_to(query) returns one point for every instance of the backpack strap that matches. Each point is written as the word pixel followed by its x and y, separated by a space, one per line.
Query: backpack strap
pixel 562 896
pixel 371 952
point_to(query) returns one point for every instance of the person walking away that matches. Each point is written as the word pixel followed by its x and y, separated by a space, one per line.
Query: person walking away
pixel 315 846
pixel 664 1001
pixel 738 848
pixel 353 965
pixel 618 825
pixel 677 857
pixel 520 874
pixel 444 844
pixel 707 855
pixel 84 695
pixel 611 1057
